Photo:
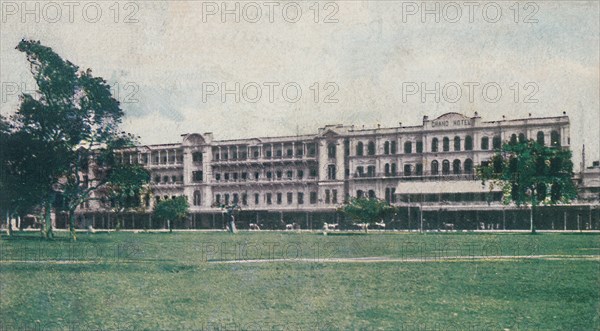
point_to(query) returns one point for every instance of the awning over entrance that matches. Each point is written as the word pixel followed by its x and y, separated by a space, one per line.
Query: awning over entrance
pixel 441 187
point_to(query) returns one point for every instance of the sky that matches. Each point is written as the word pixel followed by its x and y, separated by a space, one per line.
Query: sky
pixel 244 69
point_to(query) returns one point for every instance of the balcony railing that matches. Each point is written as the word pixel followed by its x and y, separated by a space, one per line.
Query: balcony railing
pixel 413 176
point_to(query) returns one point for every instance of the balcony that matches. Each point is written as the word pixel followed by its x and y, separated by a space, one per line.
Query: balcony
pixel 425 176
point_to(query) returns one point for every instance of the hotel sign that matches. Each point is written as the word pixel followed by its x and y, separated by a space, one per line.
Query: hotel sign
pixel 450 123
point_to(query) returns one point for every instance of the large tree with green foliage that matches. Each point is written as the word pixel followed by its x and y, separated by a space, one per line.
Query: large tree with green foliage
pixel 171 210
pixel 75 117
pixel 367 210
pixel 531 174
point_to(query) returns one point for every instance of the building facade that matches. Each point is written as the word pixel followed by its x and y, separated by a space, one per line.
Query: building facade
pixel 298 178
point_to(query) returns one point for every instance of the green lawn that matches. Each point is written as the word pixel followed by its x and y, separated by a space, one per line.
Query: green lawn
pixel 154 281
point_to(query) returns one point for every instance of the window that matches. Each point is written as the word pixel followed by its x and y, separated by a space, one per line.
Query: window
pixel 290 174
pixel 445 167
pixel 434 145
pixel 235 176
pixel 393 147
pixel 446 144
pixel 311 150
pixel 226 176
pixel 419 147
pixel 456 167
pixel 457 143
pixel 165 179
pixel 334 196
pixel 371 171
pixel 157 179
pixel 331 150
pixel 313 172
pixel 300 174
pixel 300 198
pixel 372 194
pixel 386 148
pixel 407 170
pixel 435 167
pixel 278 153
pixel 360 171
pixel 197 157
pixel 387 169
pixel 468 143
pixel 269 175
pixel 522 138
pixel 244 175
pixel 256 198
pixel 360 194
pixel 236 198
pixel 299 152
pixel 327 196
pixel 313 197
pixel 359 148
pixel 513 139
pixel 197 176
pixel 540 138
pixel 257 175
pixel 331 172
pixel 496 142
pixel 279 174
pixel 554 138
pixel 468 166
pixel 371 148
pixel 226 198
pixel 217 176
pixel 269 198
pixel 268 153
pixel 408 147
pixel 218 199
pixel 290 197
pixel 290 152
pixel 485 143
pixel 393 170
pixel 279 198
pixel 419 169
pixel 174 179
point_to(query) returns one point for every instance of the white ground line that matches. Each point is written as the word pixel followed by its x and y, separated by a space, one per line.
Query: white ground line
pixel 373 259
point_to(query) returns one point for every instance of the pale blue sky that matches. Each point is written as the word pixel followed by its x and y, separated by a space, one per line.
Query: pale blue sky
pixel 369 53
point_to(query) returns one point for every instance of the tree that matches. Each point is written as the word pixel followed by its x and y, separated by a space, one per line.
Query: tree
pixel 126 185
pixel 230 212
pixel 74 116
pixel 531 174
pixel 172 210
pixel 367 210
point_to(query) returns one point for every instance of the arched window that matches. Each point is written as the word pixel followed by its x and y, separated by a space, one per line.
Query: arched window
pixel 372 194
pixel 468 166
pixel 386 148
pixel 555 138
pixel 434 145
pixel 435 167
pixel 408 147
pixel 446 144
pixel 457 143
pixel 371 148
pixel 522 138
pixel 497 142
pixel 407 170
pixel 513 139
pixel 393 147
pixel 393 169
pixel 445 167
pixel 456 167
pixel 540 138
pixel 331 150
pixel 387 169
pixel 485 143
pixel 468 143
pixel 359 148
pixel 360 194
pixel 197 198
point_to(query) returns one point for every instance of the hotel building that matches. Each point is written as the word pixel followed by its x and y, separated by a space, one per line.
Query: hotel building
pixel 305 178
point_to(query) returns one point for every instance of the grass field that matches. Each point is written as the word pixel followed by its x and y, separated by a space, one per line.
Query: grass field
pixel 300 281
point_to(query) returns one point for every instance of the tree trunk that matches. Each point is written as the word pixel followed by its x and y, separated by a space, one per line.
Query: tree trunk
pixel 72 225
pixel 531 219
pixel 8 222
pixel 48 234
pixel 232 228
